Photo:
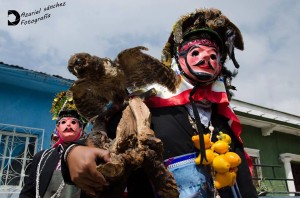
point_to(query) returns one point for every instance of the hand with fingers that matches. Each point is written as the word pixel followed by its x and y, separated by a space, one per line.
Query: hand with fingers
pixel 82 166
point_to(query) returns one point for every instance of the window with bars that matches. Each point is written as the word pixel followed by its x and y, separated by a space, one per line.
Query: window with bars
pixel 17 148
pixel 296 174
pixel 256 170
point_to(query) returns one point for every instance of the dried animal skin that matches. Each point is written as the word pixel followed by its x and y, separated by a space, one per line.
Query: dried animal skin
pixel 136 146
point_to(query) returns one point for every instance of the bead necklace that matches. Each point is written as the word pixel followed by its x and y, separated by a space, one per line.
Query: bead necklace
pixel 194 126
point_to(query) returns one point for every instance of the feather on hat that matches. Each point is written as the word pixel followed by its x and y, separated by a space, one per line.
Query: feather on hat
pixel 63 106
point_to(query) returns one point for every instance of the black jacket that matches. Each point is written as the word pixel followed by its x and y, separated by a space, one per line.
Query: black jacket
pixel 172 126
pixel 28 190
pixel 48 165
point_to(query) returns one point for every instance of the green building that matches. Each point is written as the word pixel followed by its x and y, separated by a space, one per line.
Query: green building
pixel 272 140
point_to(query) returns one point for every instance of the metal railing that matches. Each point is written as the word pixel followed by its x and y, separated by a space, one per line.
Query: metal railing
pixel 270 189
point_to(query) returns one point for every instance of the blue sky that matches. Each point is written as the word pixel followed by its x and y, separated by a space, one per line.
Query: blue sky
pixel 269 72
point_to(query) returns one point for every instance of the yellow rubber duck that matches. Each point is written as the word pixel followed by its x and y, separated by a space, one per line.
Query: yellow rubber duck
pixel 207 141
pixel 210 155
pixel 220 164
pixel 220 147
pixel 225 179
pixel 233 159
pixel 224 137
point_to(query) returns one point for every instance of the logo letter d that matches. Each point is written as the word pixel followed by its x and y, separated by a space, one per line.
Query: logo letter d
pixel 16 14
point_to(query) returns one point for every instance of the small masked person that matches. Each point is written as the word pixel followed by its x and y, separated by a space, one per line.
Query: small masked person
pixel 45 178
pixel 196 50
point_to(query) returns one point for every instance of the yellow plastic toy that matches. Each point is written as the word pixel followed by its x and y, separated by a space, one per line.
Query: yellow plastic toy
pixel 207 141
pixel 223 162
pixel 210 155
pixel 220 147
pixel 233 159
pixel 220 164
pixel 224 179
pixel 224 137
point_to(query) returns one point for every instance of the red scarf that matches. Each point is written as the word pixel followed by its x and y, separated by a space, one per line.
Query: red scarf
pixel 215 93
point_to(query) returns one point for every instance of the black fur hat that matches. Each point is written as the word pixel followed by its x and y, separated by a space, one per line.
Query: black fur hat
pixel 204 21
pixel 210 24
pixel 69 113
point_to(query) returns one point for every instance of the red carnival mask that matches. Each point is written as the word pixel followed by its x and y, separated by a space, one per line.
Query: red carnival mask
pixel 200 60
pixel 68 129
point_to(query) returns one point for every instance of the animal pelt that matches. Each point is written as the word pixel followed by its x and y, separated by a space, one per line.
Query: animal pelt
pixel 141 69
pixel 102 83
pixel 136 147
pixel 99 92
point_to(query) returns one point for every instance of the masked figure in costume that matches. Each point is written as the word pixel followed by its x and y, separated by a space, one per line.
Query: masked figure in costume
pixel 45 179
pixel 196 50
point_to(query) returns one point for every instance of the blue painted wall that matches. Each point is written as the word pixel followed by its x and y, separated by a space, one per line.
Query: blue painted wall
pixel 26 98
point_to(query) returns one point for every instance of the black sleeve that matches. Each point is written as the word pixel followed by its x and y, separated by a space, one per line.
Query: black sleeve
pixel 28 190
pixel 244 178
pixel 64 167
